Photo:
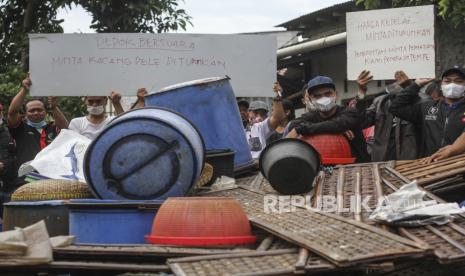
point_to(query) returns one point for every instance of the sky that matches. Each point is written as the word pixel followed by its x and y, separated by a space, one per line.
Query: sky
pixel 220 16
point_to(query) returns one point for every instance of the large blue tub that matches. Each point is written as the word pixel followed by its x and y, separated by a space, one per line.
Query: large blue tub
pixel 111 221
pixel 210 104
pixel 145 154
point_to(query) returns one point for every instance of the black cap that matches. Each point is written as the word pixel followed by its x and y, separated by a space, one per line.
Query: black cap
pixel 455 69
pixel 320 81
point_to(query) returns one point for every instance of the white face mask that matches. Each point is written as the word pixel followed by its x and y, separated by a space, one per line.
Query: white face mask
pixel 325 104
pixel 95 110
pixel 453 90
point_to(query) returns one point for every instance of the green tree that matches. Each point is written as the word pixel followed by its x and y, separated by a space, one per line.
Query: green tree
pixel 17 19
pixel 20 17
pixel 141 16
pixel 451 10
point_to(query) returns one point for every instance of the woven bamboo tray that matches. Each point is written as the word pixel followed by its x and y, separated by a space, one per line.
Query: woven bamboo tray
pixel 52 189
pixel 338 240
pixel 277 262
pixel 351 186
pixel 447 241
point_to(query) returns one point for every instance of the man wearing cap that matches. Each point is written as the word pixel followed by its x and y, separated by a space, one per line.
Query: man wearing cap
pixel 441 121
pixel 7 162
pixel 330 118
pixel 262 126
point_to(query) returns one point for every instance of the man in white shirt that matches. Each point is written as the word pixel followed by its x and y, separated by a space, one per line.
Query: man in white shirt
pixel 96 119
pixel 262 126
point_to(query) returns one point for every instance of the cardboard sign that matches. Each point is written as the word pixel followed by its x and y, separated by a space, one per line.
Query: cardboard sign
pixel 95 64
pixel 388 40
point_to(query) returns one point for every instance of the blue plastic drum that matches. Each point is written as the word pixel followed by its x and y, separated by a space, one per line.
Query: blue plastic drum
pixel 211 105
pixel 145 154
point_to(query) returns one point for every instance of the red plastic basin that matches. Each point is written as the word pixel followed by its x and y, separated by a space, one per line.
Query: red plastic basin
pixel 201 221
pixel 333 148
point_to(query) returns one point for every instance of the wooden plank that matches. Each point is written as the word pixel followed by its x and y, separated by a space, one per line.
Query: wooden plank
pixel 434 178
pixel 414 164
pixel 277 262
pixel 422 173
pixel 399 175
pixel 319 189
pixel 432 167
pixel 110 266
pixel 235 255
pixel 323 233
pixel 143 251
pixel 389 184
pixel 340 191
pixel 445 237
pixel 302 261
pixel 377 181
pixel 414 238
pixel 378 188
pixel 358 195
pixel 266 243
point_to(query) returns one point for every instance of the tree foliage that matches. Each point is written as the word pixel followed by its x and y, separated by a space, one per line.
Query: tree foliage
pixel 20 17
pixel 142 16
pixel 17 19
pixel 451 10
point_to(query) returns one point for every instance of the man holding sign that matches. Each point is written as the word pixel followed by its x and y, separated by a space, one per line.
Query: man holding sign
pixel 91 125
pixel 31 132
pixel 394 139
pixel 442 121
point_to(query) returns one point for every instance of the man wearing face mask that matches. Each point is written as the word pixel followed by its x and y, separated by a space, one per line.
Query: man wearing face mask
pixel 441 121
pixel 31 132
pixel 96 119
pixel 330 118
pixel 394 139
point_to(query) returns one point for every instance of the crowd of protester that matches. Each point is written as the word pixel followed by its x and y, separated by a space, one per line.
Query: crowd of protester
pixel 408 119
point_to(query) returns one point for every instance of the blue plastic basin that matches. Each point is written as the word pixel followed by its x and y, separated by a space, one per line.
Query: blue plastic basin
pixel 145 154
pixel 211 105
pixel 111 221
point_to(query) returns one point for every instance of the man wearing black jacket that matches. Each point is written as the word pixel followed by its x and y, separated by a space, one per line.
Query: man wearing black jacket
pixel 330 118
pixel 394 139
pixel 441 121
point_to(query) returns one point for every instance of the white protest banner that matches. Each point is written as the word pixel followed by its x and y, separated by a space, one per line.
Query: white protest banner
pixel 388 40
pixel 95 64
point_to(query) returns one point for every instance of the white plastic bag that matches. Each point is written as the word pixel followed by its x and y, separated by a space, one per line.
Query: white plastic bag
pixel 406 207
pixel 64 157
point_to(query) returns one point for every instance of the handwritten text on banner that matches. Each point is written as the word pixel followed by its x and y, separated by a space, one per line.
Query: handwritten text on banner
pixel 388 40
pixel 95 64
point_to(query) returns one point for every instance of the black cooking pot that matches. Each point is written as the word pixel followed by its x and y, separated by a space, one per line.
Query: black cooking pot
pixel 290 165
